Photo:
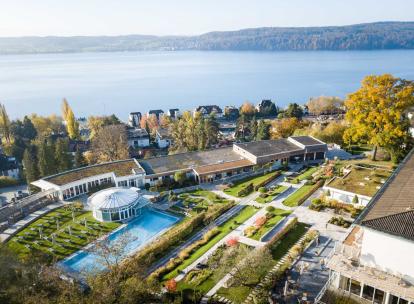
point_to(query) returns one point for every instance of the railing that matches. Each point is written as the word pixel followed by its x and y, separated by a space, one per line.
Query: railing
pixel 318 298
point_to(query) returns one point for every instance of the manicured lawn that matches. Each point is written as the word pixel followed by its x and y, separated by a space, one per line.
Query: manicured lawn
pixel 239 185
pixel 199 200
pixel 292 201
pixel 238 294
pixel 279 214
pixel 271 195
pixel 280 248
pixel 65 242
pixel 308 173
pixel 225 229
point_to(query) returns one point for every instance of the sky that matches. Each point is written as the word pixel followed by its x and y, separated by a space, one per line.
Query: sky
pixel 186 17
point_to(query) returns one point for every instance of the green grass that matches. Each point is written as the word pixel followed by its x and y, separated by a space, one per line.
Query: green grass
pixel 239 185
pixel 28 240
pixel 279 249
pixel 307 174
pixel 201 199
pixel 272 194
pixel 279 214
pixel 292 200
pixel 238 294
pixel 224 229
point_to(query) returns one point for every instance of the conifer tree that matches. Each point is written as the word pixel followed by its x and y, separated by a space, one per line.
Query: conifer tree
pixel 46 158
pixel 79 160
pixel 31 171
pixel 62 156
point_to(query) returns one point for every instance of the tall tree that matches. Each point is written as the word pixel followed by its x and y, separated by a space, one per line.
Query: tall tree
pixel 29 131
pixel 62 155
pixel 325 105
pixel 247 109
pixel 79 159
pixel 285 127
pixel 253 128
pixel 31 171
pixel 110 144
pixel 46 158
pixel 263 130
pixel 5 124
pixel 72 126
pixel 293 110
pixel 376 113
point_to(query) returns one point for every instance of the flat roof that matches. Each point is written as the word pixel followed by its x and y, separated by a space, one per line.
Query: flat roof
pixel 361 180
pixel 119 168
pixel 307 140
pixel 189 160
pixel 392 209
pixel 269 147
pixel 223 166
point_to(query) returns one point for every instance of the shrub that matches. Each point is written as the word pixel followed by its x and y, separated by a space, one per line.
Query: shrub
pixel 246 190
pixel 6 181
pixel 262 190
pixel 283 232
pixel 263 195
pixel 171 285
pixel 270 208
pixel 233 241
pixel 267 180
pixel 260 221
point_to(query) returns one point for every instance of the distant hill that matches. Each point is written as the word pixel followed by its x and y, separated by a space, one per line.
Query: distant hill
pixel 370 36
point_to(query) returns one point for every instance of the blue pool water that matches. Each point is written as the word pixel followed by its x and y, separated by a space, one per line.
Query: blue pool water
pixel 123 241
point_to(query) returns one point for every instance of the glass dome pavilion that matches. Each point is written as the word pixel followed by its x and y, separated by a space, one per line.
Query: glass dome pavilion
pixel 117 204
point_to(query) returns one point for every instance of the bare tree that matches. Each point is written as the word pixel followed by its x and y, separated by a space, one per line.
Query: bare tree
pixel 110 144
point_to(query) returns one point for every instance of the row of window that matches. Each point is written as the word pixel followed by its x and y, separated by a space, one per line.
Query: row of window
pixel 369 293
pixel 84 188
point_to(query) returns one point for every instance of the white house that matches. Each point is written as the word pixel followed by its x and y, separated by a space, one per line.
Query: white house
pixel 374 264
pixel 138 138
pixel 163 139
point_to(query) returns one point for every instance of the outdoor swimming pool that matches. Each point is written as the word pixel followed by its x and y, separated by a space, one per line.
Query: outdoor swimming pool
pixel 124 241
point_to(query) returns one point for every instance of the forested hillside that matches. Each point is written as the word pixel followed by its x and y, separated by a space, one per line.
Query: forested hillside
pixel 371 36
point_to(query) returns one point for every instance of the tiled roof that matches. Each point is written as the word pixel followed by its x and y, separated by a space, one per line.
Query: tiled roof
pixel 400 224
pixel 209 109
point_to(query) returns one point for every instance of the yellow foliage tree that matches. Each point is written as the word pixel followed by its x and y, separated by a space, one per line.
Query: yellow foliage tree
pixel 376 113
pixel 72 126
pixel 285 127
pixel 247 108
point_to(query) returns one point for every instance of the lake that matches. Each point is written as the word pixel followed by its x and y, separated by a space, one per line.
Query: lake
pixel 106 83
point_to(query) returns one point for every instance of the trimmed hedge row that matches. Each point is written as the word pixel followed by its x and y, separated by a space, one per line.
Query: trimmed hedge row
pixel 267 180
pixel 282 232
pixel 184 254
pixel 311 191
pixel 246 190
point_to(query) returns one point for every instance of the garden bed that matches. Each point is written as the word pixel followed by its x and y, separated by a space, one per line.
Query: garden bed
pixel 245 182
pixel 64 241
pixel 300 196
pixel 271 194
pixel 224 229
pixel 273 216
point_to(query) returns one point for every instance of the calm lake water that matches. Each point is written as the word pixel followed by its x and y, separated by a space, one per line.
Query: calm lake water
pixel 105 83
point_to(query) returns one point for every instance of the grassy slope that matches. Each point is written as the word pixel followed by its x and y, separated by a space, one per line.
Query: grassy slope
pixel 238 294
pixel 279 215
pixel 292 201
pixel 244 182
pixel 272 195
pixel 225 229
pixel 31 237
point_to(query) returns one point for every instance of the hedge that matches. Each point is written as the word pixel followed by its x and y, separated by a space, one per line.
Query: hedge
pixel 283 232
pixel 268 180
pixel 310 192
pixel 6 181
pixel 246 190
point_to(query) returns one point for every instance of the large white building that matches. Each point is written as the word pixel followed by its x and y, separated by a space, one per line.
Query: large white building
pixel 375 263
pixel 202 166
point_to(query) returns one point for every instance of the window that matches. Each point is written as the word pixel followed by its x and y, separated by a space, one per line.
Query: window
pixel 368 292
pixel 355 287
pixel 379 296
pixel 402 301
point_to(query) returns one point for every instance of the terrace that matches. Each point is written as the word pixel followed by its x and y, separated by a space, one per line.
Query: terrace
pixel 361 180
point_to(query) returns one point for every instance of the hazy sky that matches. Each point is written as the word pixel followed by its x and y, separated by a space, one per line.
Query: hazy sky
pixel 161 17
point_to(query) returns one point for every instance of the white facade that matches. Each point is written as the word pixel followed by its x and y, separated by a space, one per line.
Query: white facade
pixel 347 197
pixel 388 253
pixel 138 142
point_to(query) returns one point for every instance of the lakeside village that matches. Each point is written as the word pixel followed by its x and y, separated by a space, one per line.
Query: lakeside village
pixel 257 204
